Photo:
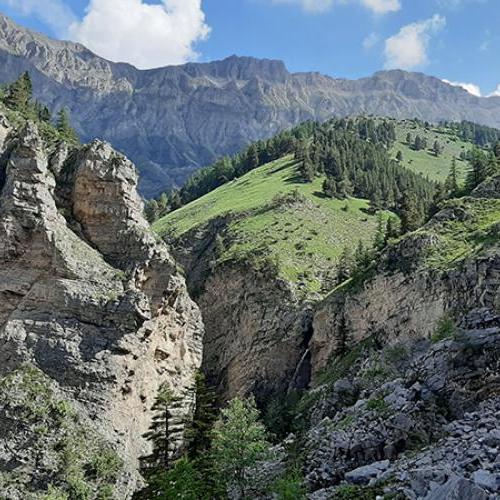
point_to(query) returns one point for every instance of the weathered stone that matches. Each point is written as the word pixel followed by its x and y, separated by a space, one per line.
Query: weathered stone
pixel 87 294
pixel 363 475
pixel 487 480
pixel 457 488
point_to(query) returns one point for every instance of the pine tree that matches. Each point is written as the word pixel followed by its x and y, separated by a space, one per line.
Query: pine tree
pixel 451 183
pixel 411 214
pixel 63 125
pixel 393 229
pixel 479 169
pixel 151 210
pixel 239 443
pixel 381 234
pixel 418 143
pixel 409 139
pixel 44 114
pixel 163 205
pixel 175 200
pixel 399 156
pixel 363 258
pixel 161 434
pixel 496 150
pixel 19 93
pixel 330 187
pixel 345 265
pixel 307 169
pixel 345 188
pixel 300 150
pixel 199 431
pixel 437 148
pixel 253 160
pixel 166 407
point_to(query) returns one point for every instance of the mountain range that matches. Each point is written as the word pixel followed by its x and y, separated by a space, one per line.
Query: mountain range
pixel 171 121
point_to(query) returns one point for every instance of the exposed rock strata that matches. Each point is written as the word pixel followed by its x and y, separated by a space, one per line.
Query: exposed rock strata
pixel 408 300
pixel 402 404
pixel 256 330
pixel 87 295
pixel 173 120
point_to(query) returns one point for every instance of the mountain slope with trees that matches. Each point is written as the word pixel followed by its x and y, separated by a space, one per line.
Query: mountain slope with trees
pixel 402 358
pixel 172 121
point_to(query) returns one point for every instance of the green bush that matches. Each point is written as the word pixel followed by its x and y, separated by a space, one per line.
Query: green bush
pixel 106 464
pixel 378 405
pixel 445 330
pixel 290 486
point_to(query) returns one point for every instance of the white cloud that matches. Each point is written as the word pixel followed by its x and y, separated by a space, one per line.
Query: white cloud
pixel 495 93
pixel 146 35
pixel 377 6
pixel 472 88
pixel 370 41
pixel 54 13
pixel 382 6
pixel 408 48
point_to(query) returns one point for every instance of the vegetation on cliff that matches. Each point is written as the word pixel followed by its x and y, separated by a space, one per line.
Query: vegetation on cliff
pixel 72 460
pixel 16 99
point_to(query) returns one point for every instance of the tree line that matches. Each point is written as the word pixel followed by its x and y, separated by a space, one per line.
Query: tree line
pixel 222 447
pixel 481 135
pixel 226 169
pixel 353 155
pixel 18 96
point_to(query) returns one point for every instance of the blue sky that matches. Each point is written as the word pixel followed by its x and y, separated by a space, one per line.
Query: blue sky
pixel 457 40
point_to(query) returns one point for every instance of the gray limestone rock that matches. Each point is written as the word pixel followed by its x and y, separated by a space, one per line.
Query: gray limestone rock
pixel 88 296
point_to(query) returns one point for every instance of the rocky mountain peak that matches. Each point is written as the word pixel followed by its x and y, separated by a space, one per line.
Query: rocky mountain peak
pixel 154 116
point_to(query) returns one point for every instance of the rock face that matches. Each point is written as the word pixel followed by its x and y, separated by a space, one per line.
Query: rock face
pixel 256 333
pixel 88 297
pixel 406 367
pixel 256 330
pixel 408 301
pixel 154 116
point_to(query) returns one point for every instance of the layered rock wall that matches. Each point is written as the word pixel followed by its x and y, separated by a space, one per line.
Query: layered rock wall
pixel 87 294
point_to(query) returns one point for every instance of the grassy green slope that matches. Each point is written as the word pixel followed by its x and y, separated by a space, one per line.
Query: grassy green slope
pixel 426 162
pixel 303 239
pixel 476 229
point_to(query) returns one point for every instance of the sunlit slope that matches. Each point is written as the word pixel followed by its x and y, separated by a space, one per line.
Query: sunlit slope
pixel 425 162
pixel 279 220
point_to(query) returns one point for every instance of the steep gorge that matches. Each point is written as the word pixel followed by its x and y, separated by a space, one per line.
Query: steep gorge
pixel 256 327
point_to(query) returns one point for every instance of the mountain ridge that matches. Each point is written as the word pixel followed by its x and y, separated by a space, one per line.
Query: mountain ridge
pixel 171 121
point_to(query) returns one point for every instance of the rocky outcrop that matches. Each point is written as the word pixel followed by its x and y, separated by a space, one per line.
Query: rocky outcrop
pixel 408 295
pixel 256 334
pixel 420 417
pixel 173 120
pixel 406 366
pixel 88 297
pixel 256 329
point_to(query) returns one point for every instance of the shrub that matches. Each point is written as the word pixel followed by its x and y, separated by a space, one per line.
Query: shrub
pixel 444 330
pixel 290 486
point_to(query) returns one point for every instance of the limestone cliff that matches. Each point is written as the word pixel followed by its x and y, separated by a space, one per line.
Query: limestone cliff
pixel 256 328
pixel 449 268
pixel 405 366
pixel 405 397
pixel 92 307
